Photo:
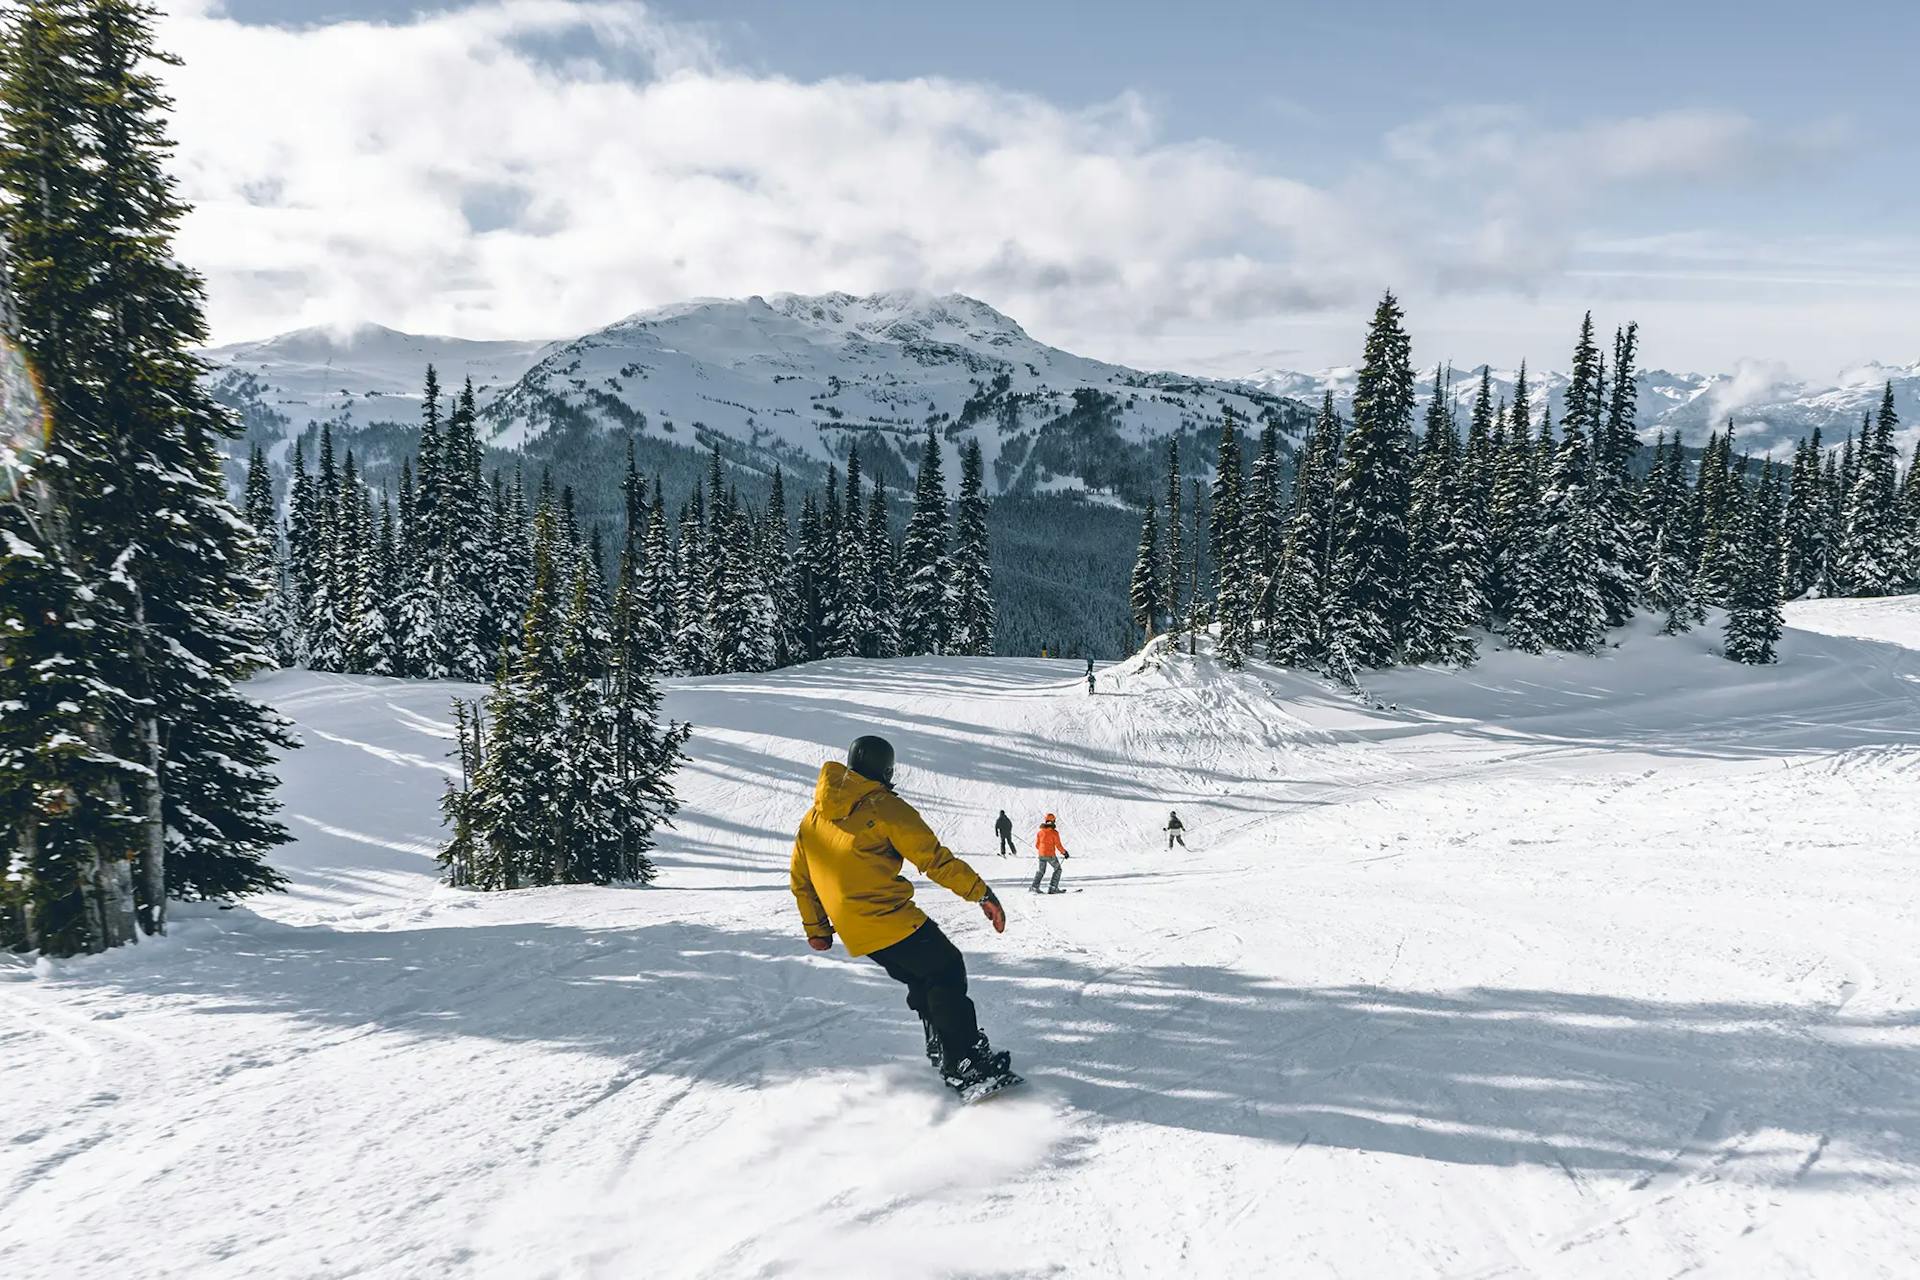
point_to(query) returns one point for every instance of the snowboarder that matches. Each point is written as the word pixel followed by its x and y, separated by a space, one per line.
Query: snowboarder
pixel 1174 829
pixel 1052 853
pixel 846 878
pixel 1003 827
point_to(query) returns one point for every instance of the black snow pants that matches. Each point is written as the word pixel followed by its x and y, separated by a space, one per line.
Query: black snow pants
pixel 1174 835
pixel 1006 844
pixel 935 975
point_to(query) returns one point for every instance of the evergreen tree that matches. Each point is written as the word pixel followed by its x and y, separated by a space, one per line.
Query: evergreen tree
pixel 776 567
pixel 883 603
pixel 645 751
pixel 971 578
pixel 1753 603
pixel 460 553
pixel 1439 608
pixel 1576 614
pixel 111 320
pixel 1622 546
pixel 1233 603
pixel 1666 505
pixel 692 642
pixel 1717 516
pixel 661 583
pixel 924 622
pixel 1266 523
pixel 418 610
pixel 1304 589
pixel 1175 568
pixel 1143 589
pixel 1520 577
pixel 270 616
pixel 1871 552
pixel 1374 491
pixel 1805 522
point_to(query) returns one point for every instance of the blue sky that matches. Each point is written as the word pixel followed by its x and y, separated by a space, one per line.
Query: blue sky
pixel 1213 187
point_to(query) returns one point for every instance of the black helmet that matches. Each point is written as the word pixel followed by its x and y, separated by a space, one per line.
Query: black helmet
pixel 872 757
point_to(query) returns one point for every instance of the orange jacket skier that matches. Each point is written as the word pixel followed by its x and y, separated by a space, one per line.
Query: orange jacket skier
pixel 1052 853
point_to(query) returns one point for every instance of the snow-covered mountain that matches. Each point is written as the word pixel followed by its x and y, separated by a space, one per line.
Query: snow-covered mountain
pixel 791 378
pixel 795 378
pixel 1770 408
pixel 798 377
pixel 353 377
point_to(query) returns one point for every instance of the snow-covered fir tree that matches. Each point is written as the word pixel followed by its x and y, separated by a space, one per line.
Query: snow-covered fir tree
pixel 1144 596
pixel 123 528
pixel 924 624
pixel 1753 597
pixel 1571 534
pixel 1233 603
pixel 1872 555
pixel 881 559
pixel 1442 596
pixel 1303 587
pixel 971 573
pixel 1375 486
pixel 273 615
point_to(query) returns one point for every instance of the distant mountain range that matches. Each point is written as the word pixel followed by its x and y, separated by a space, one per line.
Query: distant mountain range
pixel 794 379
pixel 787 379
pixel 1769 408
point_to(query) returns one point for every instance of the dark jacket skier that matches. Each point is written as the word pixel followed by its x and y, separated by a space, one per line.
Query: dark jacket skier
pixel 846 877
pixel 1003 827
pixel 1174 829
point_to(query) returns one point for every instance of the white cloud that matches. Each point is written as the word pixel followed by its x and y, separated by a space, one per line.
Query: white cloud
pixel 535 167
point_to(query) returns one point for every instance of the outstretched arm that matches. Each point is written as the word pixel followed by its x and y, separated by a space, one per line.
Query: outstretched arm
pixel 813 915
pixel 914 840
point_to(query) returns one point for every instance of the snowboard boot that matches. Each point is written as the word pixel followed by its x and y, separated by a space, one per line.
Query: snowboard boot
pixel 980 1063
pixel 934 1055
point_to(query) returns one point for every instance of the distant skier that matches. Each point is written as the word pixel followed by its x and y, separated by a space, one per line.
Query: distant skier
pixel 1174 829
pixel 1003 827
pixel 1052 854
pixel 1089 683
pixel 846 878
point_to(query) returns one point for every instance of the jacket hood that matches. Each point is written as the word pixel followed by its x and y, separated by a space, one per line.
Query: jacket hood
pixel 840 789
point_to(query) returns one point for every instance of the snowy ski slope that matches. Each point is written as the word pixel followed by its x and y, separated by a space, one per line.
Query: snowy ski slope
pixel 1557 966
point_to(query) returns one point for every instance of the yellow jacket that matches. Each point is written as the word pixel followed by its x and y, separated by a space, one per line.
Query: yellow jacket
pixel 847 858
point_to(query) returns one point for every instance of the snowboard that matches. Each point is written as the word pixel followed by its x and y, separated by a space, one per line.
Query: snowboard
pixel 981 1090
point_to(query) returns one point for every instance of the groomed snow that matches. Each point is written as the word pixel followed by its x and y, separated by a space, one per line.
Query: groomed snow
pixel 1558 966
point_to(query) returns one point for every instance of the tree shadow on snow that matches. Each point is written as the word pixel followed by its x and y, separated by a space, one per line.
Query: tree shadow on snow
pixel 1485 1076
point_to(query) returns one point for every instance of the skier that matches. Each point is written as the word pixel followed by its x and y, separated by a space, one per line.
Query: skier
pixel 1174 829
pixel 846 878
pixel 1052 852
pixel 1089 683
pixel 1003 827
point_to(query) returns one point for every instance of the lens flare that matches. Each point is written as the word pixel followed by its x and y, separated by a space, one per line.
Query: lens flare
pixel 24 422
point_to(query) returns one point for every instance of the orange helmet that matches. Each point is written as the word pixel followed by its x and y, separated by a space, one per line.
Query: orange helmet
pixel 1049 817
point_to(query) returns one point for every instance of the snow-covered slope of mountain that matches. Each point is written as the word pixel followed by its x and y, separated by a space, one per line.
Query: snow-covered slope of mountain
pixel 797 376
pixel 352 377
pixel 788 377
pixel 1770 409
pixel 1558 966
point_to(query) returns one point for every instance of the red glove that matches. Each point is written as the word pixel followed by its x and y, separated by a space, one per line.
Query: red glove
pixel 820 944
pixel 995 913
